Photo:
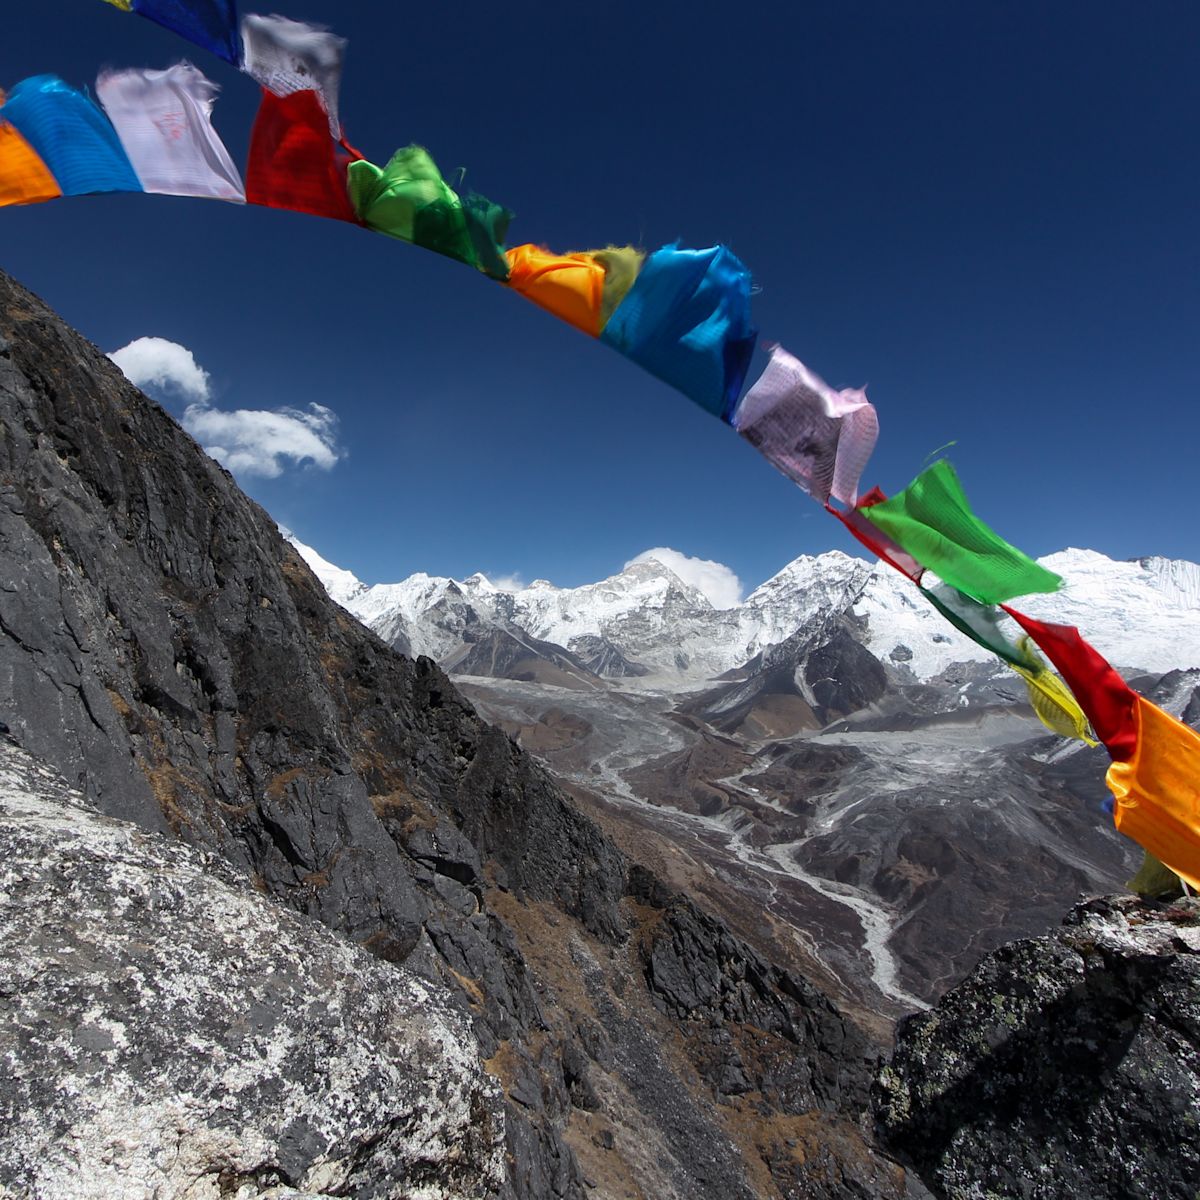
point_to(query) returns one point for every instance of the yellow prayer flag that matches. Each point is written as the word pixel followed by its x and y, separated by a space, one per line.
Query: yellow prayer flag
pixel 1158 791
pixel 123 5
pixel 24 178
pixel 1050 698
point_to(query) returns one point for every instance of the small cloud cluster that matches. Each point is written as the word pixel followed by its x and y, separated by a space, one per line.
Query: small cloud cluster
pixel 714 580
pixel 245 441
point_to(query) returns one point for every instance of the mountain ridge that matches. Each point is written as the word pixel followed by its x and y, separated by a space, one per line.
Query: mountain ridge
pixel 1144 614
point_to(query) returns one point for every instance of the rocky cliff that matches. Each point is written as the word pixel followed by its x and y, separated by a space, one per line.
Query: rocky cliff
pixel 167 651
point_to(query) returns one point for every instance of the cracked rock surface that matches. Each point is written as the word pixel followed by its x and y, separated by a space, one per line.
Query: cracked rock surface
pixel 168 1032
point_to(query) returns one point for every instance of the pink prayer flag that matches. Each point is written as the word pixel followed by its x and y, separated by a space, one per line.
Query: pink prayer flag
pixel 819 438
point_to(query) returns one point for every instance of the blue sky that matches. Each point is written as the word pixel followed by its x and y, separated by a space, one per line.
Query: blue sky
pixel 986 213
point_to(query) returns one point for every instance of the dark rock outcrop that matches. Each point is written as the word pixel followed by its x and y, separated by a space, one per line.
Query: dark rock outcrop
pixel 1063 1066
pixel 825 673
pixel 167 650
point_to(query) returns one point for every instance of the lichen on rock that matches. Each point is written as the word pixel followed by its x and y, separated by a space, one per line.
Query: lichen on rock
pixel 167 1031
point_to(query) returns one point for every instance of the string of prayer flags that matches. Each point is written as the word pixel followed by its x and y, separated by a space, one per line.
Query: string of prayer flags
pixel 819 438
pixel 1157 790
pixel 286 56
pixel 875 540
pixel 164 121
pixel 1049 697
pixel 621 266
pixel 487 226
pixel 1102 694
pixel 932 520
pixel 570 286
pixel 686 320
pixel 208 23
pixel 294 163
pixel 71 136
pixel 24 178
pixel 408 199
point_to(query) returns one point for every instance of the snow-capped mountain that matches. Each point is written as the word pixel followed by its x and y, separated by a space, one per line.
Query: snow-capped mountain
pixel 646 620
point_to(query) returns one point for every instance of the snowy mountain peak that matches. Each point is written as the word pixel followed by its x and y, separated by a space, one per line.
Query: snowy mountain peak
pixel 1143 614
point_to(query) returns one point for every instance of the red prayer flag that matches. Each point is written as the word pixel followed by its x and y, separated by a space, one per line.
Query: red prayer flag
pixel 294 163
pixel 1106 699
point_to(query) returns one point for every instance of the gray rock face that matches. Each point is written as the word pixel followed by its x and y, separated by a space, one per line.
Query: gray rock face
pixel 167 1032
pixel 1063 1066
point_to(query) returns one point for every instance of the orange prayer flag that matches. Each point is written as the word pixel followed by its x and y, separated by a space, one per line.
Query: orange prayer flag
pixel 24 178
pixel 1158 791
pixel 571 286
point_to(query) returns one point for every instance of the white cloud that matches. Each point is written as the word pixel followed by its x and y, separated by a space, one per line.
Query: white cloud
pixel 715 580
pixel 508 583
pixel 246 441
pixel 156 362
pixel 258 442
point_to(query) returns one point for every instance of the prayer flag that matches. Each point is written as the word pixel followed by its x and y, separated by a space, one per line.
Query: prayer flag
pixel 209 23
pixel 571 286
pixel 294 163
pixel 621 266
pixel 980 622
pixel 24 178
pixel 877 542
pixel 1102 694
pixel 932 520
pixel 123 5
pixel 820 439
pixel 1157 790
pixel 286 56
pixel 408 199
pixel 71 136
pixel 164 121
pixel 487 226
pixel 687 320
pixel 1050 698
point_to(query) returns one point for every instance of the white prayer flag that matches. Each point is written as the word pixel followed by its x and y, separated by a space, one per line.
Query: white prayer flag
pixel 287 56
pixel 164 121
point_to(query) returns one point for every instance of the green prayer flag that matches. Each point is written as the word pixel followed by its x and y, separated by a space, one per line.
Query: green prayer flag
pixel 980 622
pixel 933 522
pixel 1153 881
pixel 408 199
pixel 487 225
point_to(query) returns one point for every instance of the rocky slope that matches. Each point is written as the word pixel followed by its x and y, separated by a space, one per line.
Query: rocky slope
pixel 169 1032
pixel 173 657
pixel 1066 1065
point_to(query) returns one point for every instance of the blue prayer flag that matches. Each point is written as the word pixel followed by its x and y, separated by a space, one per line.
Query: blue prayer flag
pixel 71 135
pixel 212 24
pixel 687 320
